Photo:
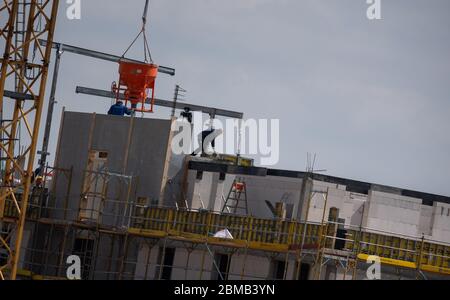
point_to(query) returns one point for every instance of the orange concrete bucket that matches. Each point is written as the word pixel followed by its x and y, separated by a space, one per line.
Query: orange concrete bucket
pixel 138 78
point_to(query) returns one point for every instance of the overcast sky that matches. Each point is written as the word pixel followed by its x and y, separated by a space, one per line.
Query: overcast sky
pixel 371 98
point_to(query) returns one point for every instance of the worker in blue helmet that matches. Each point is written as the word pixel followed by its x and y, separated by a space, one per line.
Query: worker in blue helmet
pixel 119 109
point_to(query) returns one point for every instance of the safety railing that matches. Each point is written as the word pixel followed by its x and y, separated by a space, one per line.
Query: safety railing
pixel 257 233
pixel 242 228
pixel 394 249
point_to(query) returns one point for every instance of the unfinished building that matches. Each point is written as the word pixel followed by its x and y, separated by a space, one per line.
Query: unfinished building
pixel 119 199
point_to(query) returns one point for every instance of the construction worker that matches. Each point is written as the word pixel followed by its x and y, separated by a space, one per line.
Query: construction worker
pixel 119 109
pixel 186 114
pixel 207 137
pixel 39 182
pixel 36 174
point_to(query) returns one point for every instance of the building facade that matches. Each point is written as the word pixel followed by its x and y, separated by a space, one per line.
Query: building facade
pixel 118 198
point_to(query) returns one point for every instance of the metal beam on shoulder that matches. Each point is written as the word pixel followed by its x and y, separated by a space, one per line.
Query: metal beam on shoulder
pixel 166 103
pixel 102 56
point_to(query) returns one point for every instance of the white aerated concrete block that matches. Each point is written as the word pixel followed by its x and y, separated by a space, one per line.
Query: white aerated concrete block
pixel 441 222
pixel 272 189
pixel 425 223
pixel 255 267
pixel 393 213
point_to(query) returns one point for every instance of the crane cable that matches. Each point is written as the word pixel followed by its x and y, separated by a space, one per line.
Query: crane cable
pixel 147 53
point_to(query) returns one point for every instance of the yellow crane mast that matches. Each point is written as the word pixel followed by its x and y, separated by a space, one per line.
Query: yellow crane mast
pixel 24 68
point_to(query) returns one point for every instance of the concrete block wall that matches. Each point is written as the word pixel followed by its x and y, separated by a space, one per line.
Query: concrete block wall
pixel 136 147
pixel 179 264
pixel 336 198
pixel 256 267
pixel 349 204
pixel 441 222
pixel 354 206
pixel 202 189
pixel 210 192
pixel 393 213
pixel 383 211
pixel 194 265
pixel 150 254
pixel 173 192
pixel 426 221
pixel 272 189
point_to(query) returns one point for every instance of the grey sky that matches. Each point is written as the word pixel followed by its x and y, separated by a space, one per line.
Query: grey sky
pixel 371 98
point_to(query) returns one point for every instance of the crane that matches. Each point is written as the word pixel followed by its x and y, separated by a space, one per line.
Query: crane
pixel 24 65
pixel 136 77
pixel 28 38
pixel 61 48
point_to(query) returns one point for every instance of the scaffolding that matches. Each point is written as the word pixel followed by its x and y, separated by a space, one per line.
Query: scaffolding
pixel 123 238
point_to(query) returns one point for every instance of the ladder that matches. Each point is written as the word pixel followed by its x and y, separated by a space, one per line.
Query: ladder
pixel 236 201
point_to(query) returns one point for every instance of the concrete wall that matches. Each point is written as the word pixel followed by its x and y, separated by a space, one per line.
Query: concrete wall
pixel 204 190
pixel 349 204
pixel 210 192
pixel 73 152
pixel 336 198
pixel 256 266
pixel 381 210
pixel 173 194
pixel 393 213
pixel 136 147
pixel 146 262
pixel 425 222
pixel 272 189
pixel 149 262
pixel 194 265
pixel 354 206
pixel 441 222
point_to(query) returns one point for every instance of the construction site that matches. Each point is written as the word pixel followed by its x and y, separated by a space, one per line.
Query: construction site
pixel 117 196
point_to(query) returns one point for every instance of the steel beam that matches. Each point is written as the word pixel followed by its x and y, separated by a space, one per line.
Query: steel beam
pixel 17 96
pixel 102 56
pixel 166 103
pixel 51 106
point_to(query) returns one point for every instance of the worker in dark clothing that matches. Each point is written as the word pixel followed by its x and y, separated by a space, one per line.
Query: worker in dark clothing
pixel 207 137
pixel 186 114
pixel 119 109
pixel 35 174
